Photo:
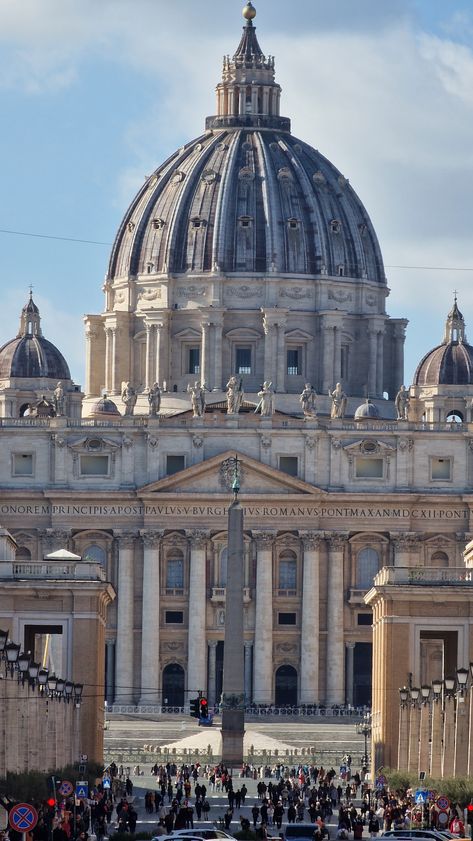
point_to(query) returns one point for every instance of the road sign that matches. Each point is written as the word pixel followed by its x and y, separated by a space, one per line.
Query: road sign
pixel 82 789
pixel 420 796
pixel 66 788
pixel 23 817
pixel 106 782
pixel 443 803
pixel 442 818
pixel 84 757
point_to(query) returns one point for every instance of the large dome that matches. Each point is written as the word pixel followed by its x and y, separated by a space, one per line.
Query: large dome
pixel 450 363
pixel 247 200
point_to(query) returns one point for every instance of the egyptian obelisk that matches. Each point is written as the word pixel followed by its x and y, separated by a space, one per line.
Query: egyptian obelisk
pixel 233 695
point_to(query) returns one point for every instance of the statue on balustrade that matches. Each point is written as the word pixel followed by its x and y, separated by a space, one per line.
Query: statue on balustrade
pixel 59 400
pixel 154 400
pixel 197 393
pixel 235 395
pixel 266 404
pixel 339 402
pixel 129 398
pixel 402 404
pixel 307 401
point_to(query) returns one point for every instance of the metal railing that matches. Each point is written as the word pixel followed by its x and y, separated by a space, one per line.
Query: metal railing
pixel 251 712
pixel 79 570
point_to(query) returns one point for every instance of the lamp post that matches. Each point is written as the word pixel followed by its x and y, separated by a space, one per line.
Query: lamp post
pixel 414 731
pixel 364 729
pixel 436 740
pixel 448 753
pixel 424 740
pixel 403 743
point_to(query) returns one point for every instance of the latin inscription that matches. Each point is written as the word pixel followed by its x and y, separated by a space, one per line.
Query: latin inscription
pixel 345 512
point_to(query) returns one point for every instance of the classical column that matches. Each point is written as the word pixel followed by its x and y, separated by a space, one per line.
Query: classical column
pixel 124 659
pixel 197 644
pixel 150 622
pixel 470 731
pixel 414 733
pixel 269 351
pixel 448 747
pixel 248 670
pixel 90 336
pixel 115 389
pixel 380 365
pixel 110 671
pixel 108 359
pixel 337 354
pixel 436 740
pixel 149 350
pixel 373 361
pixel 263 645
pixel 212 679
pixel 350 650
pixel 327 357
pixel 335 647
pixel 310 640
pixel 281 356
pixel 217 359
pixel 205 367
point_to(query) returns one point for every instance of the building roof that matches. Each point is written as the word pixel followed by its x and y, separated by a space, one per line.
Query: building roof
pixel 29 354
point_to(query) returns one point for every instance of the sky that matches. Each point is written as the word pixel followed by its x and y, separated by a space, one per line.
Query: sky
pixel 95 94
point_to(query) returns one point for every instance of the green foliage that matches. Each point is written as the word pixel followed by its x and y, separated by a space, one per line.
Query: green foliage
pixel 33 786
pixel 459 790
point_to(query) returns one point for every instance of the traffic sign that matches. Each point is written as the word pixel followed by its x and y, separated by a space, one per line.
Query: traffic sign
pixel 420 796
pixel 443 803
pixel 23 817
pixel 66 788
pixel 82 789
pixel 106 782
pixel 442 818
pixel 84 757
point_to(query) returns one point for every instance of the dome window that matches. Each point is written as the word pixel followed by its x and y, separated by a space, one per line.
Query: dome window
pixel 293 224
pixel 149 267
pixel 340 271
pixel 335 226
pixel 362 227
pixel 158 224
pixel 245 221
pixel 197 224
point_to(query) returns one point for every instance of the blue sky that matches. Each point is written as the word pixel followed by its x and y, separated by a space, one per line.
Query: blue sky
pixel 94 95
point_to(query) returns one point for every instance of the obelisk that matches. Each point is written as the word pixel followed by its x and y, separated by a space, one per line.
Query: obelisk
pixel 233 694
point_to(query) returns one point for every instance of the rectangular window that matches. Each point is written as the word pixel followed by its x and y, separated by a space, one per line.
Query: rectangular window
pixel 293 356
pixel 94 465
pixel 440 469
pixel 174 617
pixel 369 468
pixel 365 619
pixel 175 574
pixel 287 618
pixel 243 360
pixel 22 464
pixel 288 464
pixel 194 360
pixel 174 464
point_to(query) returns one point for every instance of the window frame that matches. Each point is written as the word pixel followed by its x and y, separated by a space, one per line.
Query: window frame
pixel 91 456
pixel 294 459
pixel 174 455
pixel 441 459
pixel 20 454
pixel 367 459
pixel 244 347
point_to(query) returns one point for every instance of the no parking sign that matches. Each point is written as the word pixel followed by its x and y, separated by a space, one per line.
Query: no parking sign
pixel 23 817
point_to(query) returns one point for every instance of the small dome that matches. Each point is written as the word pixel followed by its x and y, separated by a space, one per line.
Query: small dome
pixel 450 363
pixel 104 408
pixel 32 356
pixel 367 410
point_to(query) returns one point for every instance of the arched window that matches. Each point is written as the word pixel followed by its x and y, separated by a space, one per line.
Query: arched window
pixel 454 416
pixel 223 567
pixel 95 554
pixel 288 570
pixel 439 560
pixel 175 571
pixel 173 685
pixel 23 554
pixel 367 565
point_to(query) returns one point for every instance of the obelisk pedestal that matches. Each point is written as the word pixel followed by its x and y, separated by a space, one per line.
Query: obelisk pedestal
pixel 233 695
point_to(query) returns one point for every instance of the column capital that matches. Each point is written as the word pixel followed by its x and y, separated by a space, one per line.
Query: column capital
pixel 350 644
pixel 311 539
pixel 248 645
pixel 197 538
pixel 126 539
pixel 151 537
pixel 264 539
pixel 336 540
pixel 212 643
pixel 405 541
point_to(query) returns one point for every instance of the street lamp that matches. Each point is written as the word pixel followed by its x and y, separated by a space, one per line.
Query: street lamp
pixel 364 729
pixel 403 694
pixel 437 688
pixel 68 690
pixel 3 639
pixel 415 692
pixel 425 693
pixel 462 679
pixel 449 685
pixel 12 652
pixel 78 687
pixel 23 666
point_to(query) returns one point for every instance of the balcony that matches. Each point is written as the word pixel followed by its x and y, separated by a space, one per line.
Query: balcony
pixel 218 595
pixel 424 576
pixel 173 592
pixel 285 594
pixel 51 570
pixel 356 596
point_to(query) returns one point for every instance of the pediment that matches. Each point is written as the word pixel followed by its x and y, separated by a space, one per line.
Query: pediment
pixel 369 447
pixel 210 477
